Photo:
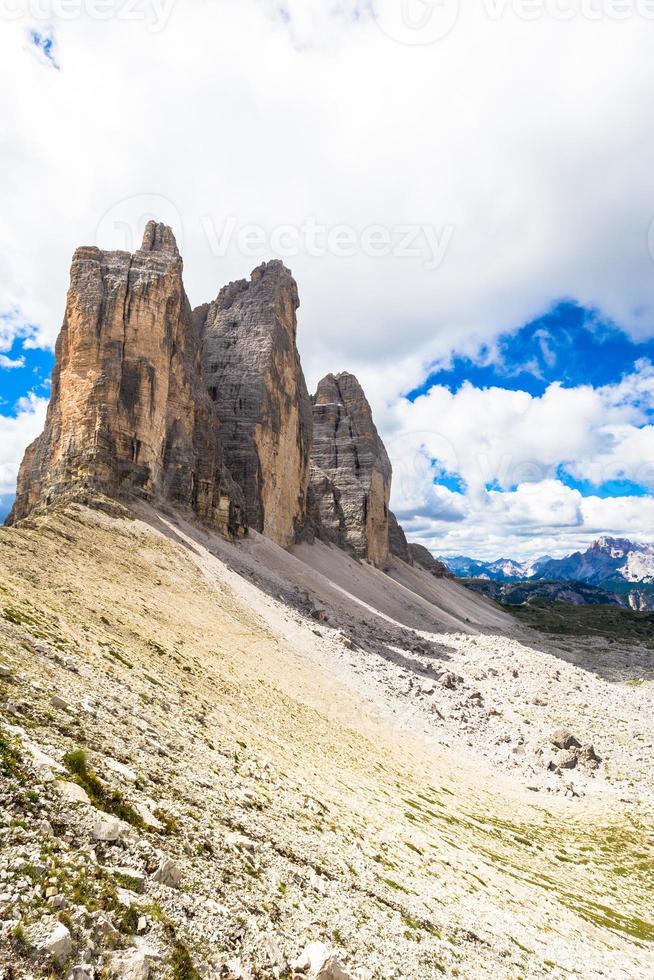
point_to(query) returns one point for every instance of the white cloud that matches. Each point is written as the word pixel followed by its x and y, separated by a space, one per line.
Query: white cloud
pixel 535 519
pixel 14 326
pixel 508 448
pixel 16 433
pixel 10 364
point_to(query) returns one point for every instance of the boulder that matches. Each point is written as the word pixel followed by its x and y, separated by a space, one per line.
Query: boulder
pixel 588 756
pixel 320 964
pixel 565 759
pixel 109 829
pixel 134 964
pixel 120 769
pixel 148 817
pixel 71 792
pixel 563 739
pixel 312 958
pixel 168 873
pixel 333 970
pixel 449 680
pixel 58 943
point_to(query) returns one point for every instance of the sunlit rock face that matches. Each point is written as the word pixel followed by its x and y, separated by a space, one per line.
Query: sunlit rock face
pixel 129 412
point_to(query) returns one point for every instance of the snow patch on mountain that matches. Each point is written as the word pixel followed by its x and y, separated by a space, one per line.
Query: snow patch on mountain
pixel 607 560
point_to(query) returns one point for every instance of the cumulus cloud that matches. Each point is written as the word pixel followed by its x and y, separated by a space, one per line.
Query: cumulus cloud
pixel 13 327
pixel 9 363
pixel 535 519
pixel 509 452
pixel 17 431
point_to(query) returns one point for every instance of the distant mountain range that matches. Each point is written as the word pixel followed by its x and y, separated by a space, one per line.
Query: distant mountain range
pixel 500 570
pixel 623 569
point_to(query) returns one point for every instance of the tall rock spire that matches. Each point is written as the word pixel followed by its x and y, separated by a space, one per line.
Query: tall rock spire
pixel 350 470
pixel 128 411
pixel 252 370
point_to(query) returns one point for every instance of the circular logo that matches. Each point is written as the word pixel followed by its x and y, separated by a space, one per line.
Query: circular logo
pixel 416 22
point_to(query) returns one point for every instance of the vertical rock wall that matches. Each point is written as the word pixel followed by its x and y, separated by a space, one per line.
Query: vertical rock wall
pixel 252 371
pixel 128 411
pixel 350 470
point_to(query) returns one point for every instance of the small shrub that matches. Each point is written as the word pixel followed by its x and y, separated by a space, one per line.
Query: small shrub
pixel 182 964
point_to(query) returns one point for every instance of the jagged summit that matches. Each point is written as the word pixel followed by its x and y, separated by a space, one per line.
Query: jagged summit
pixel 158 237
pixel 350 470
pixel 252 369
pixel 129 412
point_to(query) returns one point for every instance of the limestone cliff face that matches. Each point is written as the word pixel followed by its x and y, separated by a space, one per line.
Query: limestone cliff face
pixel 128 411
pixel 350 470
pixel 252 371
pixel 397 542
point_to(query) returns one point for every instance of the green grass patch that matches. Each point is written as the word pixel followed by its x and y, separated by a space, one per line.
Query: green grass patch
pixel 182 964
pixel 117 655
pixel 611 622
pixel 11 763
pixel 108 800
pixel 18 618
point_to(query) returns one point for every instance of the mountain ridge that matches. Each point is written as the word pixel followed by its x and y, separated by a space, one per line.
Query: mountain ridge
pixel 606 560
pixel 206 409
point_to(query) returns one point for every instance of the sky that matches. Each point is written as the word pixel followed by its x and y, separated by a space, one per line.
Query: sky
pixel 463 192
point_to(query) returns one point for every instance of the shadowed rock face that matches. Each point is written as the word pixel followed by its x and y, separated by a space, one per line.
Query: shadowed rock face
pixel 252 371
pixel 397 542
pixel 128 411
pixel 424 558
pixel 350 470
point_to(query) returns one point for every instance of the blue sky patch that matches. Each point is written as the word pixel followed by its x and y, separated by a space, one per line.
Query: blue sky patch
pixel 33 375
pixel 45 43
pixel 609 488
pixel 452 481
pixel 570 344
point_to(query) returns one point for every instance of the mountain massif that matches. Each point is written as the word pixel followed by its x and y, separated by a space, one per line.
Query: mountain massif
pixel 608 561
pixel 206 408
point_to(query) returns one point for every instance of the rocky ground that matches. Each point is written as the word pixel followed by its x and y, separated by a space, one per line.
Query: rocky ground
pixel 229 761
